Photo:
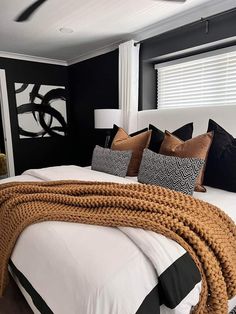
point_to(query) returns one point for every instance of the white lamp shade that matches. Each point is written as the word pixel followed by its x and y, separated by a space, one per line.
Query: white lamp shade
pixel 105 118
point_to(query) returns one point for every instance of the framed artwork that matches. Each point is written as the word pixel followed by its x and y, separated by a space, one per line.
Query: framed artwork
pixel 41 110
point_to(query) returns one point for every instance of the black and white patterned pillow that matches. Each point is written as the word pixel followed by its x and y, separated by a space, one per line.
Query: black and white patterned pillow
pixel 175 173
pixel 111 161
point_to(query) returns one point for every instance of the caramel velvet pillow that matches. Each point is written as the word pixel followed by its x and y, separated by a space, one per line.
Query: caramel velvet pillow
pixel 184 133
pixel 197 147
pixel 137 143
pixel 115 129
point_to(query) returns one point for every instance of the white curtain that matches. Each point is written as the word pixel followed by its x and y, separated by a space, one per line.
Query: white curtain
pixel 129 84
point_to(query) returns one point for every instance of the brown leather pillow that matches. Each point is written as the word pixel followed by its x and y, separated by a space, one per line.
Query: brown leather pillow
pixel 197 147
pixel 137 143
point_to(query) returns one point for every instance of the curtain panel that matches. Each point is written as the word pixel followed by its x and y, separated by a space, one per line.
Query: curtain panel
pixel 129 84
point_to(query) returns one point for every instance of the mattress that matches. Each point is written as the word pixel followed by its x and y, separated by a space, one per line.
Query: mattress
pixel 74 268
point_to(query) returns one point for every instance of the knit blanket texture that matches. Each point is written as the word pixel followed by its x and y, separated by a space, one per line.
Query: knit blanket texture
pixel 205 231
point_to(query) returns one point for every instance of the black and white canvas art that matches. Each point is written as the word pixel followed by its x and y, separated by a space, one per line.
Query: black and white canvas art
pixel 41 110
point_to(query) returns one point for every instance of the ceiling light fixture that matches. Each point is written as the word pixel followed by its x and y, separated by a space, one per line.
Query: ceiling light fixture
pixel 66 30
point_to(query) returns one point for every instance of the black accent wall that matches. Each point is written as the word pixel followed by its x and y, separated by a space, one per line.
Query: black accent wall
pixel 220 27
pixel 38 152
pixel 93 85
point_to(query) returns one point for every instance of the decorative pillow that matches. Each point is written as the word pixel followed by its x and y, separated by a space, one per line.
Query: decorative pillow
pixel 197 147
pixel 174 173
pixel 184 133
pixel 116 129
pixel 221 164
pixel 110 161
pixel 136 144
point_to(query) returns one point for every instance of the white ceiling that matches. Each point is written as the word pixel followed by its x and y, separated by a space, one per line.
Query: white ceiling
pixel 97 24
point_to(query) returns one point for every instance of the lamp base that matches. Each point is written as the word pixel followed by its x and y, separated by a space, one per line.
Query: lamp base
pixel 107 140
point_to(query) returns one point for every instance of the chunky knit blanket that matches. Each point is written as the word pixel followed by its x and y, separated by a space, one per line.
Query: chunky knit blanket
pixel 202 229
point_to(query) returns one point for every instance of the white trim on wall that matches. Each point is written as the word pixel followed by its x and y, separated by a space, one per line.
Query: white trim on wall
pixel 18 56
pixel 95 53
pixel 6 123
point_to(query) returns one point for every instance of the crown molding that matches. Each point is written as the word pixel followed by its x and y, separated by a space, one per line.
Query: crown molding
pixel 95 53
pixel 18 56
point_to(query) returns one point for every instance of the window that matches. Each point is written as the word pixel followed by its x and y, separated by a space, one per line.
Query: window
pixel 207 79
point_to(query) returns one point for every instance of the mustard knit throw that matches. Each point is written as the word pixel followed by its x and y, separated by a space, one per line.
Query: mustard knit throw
pixel 202 229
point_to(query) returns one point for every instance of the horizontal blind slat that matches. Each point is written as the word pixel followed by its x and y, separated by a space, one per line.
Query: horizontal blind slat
pixel 209 74
pixel 195 91
pixel 193 86
pixel 176 68
pixel 200 100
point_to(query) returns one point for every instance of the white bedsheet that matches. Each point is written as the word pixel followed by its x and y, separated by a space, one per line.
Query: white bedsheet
pixel 223 199
pixel 90 282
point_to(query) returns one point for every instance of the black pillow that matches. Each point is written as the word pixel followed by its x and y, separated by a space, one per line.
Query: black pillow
pixel 184 133
pixel 221 163
pixel 115 130
pixel 112 135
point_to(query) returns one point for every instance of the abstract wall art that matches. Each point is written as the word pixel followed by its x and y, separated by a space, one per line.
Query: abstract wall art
pixel 41 110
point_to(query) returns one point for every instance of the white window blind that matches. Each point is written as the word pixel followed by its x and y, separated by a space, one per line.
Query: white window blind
pixel 206 81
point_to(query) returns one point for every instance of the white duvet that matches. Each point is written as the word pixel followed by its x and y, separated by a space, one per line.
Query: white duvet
pixel 86 269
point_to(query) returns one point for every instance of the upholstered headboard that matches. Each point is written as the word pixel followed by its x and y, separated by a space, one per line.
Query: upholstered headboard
pixel 172 119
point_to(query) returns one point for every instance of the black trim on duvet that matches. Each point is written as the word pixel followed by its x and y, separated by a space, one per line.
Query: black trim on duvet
pixel 174 284
pixel 38 301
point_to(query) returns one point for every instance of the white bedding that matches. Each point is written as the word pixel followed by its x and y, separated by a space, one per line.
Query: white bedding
pixel 223 199
pixel 90 282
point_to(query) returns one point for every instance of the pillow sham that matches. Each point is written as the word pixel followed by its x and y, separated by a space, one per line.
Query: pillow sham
pixel 221 164
pixel 109 161
pixel 137 143
pixel 175 173
pixel 197 147
pixel 116 129
pixel 184 133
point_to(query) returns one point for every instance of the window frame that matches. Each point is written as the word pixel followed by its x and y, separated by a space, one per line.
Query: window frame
pixel 196 57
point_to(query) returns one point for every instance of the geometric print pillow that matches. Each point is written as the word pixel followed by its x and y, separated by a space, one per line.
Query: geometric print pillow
pixel 174 173
pixel 111 161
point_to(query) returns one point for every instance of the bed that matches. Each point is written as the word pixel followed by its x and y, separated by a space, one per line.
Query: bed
pixel 64 267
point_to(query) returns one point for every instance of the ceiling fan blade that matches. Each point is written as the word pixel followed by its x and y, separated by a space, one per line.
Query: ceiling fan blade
pixel 25 15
